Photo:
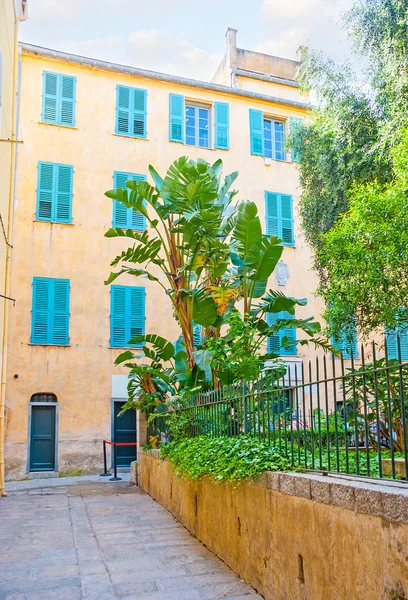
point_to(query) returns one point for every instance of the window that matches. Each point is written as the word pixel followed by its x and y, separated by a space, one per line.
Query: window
pixel 279 217
pixel 126 218
pixel 197 126
pixel 267 135
pixel 274 132
pixel 275 341
pixel 43 398
pixel 392 335
pixel 131 111
pixel 50 311
pixel 58 99
pixel 346 343
pixel 190 123
pixel 54 192
pixel 127 318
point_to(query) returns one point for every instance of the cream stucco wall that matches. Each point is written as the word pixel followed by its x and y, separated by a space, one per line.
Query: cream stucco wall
pixel 81 374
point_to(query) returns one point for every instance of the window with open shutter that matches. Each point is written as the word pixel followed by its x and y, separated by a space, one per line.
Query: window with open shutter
pixel 275 341
pixel 279 217
pixel 131 111
pixel 126 218
pixel 176 118
pixel 256 132
pixel 127 315
pixel 54 192
pixel 50 311
pixel 393 335
pixel 221 125
pixel 59 97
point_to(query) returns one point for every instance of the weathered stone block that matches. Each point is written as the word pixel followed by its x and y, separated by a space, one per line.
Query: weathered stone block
pixel 133 472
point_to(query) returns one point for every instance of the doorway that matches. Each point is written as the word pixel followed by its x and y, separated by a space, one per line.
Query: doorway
pixel 124 430
pixel 43 433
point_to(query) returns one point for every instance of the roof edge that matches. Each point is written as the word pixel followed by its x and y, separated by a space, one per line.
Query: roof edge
pixel 115 67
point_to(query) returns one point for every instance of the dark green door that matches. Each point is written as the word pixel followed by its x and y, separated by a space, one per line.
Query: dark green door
pixel 124 430
pixel 42 444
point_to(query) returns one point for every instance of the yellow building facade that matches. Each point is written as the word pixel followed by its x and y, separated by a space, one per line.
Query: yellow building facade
pixel 11 13
pixel 80 126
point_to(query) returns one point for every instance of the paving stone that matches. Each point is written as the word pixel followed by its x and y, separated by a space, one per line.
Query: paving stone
pixel 97 542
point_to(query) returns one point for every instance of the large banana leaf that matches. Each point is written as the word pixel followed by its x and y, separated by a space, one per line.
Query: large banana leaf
pixel 247 230
pixel 276 302
pixel 204 359
pixel 204 308
pixel 263 257
pixel 162 347
pixel 134 272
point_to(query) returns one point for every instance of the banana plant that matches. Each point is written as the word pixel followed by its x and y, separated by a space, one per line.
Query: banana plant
pixel 207 256
pixel 183 249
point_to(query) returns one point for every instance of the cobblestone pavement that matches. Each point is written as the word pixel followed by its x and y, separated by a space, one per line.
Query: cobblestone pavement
pixel 98 542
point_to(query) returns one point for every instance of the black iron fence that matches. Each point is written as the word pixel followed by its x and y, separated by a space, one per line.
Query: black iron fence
pixel 331 414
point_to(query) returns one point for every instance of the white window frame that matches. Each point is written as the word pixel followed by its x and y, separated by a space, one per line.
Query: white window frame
pixel 197 106
pixel 272 121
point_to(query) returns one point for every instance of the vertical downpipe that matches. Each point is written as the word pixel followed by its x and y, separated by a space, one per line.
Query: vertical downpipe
pixel 13 152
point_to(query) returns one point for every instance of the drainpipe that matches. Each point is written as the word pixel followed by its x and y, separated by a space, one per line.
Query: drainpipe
pixel 8 225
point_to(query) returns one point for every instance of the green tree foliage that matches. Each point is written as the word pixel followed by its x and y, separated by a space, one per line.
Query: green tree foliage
pixel 365 255
pixel 346 160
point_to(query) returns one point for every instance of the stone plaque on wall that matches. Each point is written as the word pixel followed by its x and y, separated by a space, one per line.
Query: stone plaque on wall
pixel 281 273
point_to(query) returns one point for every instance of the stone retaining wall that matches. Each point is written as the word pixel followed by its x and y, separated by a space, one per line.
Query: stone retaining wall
pixel 295 536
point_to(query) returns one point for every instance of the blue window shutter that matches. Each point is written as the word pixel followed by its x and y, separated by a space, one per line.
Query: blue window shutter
pixel 392 343
pixel 197 330
pixel 221 125
pixel 139 113
pixel 293 122
pixel 127 314
pixel 256 131
pixel 50 97
pixel 123 118
pixel 279 217
pixel 54 192
pixel 63 193
pixel 67 109
pixel 136 219
pixel 58 100
pixel 127 218
pixel 290 333
pixel 120 212
pixel 346 346
pixel 60 314
pixel 50 311
pixel 40 311
pixel 118 316
pixel 176 118
pixel 286 220
pixel 136 299
pixel 275 341
pixel 272 214
pixel 131 111
pixel 45 186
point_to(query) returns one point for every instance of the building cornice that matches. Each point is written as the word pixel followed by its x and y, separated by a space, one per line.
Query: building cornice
pixel 83 61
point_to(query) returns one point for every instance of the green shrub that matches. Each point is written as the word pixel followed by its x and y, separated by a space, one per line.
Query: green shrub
pixel 225 458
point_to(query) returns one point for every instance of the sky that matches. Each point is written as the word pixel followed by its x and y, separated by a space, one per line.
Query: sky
pixel 184 37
